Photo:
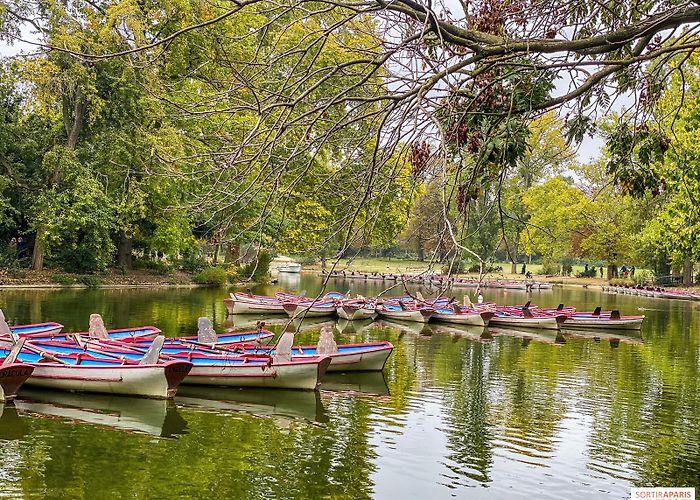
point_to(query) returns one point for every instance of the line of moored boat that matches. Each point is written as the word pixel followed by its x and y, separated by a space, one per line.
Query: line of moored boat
pixel 658 292
pixel 440 280
pixel 421 310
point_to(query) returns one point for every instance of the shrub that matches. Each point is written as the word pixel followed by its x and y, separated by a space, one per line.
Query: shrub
pixel 62 279
pixel 550 268
pixel 193 263
pixel 591 273
pixel 643 277
pixel 211 276
pixel 256 270
pixel 89 280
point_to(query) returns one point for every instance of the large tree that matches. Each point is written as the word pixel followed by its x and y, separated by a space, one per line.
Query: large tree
pixel 330 79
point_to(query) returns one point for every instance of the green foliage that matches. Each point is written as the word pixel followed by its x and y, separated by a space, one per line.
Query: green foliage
pixel 62 279
pixel 89 280
pixel 257 270
pixel 193 263
pixel 211 276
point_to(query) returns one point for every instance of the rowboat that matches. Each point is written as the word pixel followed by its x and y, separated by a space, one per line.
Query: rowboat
pixel 12 373
pixel 97 330
pixel 247 303
pixel 355 309
pixel 301 307
pixel 404 312
pixel 49 328
pixel 86 371
pixel 462 315
pixel 309 309
pixel 611 320
pixel 370 356
pixel 515 320
pixel 596 319
pixel 145 416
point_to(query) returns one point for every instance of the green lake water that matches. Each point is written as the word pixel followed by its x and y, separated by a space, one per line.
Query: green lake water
pixel 457 413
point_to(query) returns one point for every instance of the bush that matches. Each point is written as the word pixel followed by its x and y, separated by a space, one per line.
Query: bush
pixel 62 279
pixel 193 263
pixel 550 268
pixel 89 280
pixel 211 276
pixel 643 277
pixel 591 273
pixel 256 270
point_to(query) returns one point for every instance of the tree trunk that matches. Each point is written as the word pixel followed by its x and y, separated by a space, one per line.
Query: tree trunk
pixel 612 271
pixel 513 268
pixel 687 272
pixel 38 253
pixel 420 251
pixel 215 260
pixel 124 250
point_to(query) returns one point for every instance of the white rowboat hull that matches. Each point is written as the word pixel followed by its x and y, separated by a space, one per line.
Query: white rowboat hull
pixel 461 319
pixel 150 381
pixel 293 375
pixel 543 323
pixel 415 316
pixel 352 314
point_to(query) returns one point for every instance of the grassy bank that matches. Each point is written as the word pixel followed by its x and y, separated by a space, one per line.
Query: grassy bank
pixel 13 278
pixel 371 265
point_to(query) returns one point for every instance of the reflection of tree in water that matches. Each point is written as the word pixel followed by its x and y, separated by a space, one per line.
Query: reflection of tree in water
pixel 469 431
pixel 224 455
pixel 528 404
pixel 647 406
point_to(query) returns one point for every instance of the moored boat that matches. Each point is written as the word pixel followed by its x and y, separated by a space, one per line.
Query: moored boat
pixel 247 303
pixel 462 315
pixel 612 320
pixel 355 309
pixel 404 312
pixel 12 373
pixel 48 328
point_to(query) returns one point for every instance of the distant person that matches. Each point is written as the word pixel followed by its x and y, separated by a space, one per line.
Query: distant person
pixel 522 271
pixel 528 275
pixel 601 272
pixel 623 269
pixel 585 269
pixel 632 271
pixel 480 299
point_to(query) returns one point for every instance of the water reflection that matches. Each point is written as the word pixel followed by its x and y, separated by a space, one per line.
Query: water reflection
pixel 459 411
pixel 12 427
pixel 369 383
pixel 281 404
pixel 148 416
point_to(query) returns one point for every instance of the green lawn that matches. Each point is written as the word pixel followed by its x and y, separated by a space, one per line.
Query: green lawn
pixel 366 264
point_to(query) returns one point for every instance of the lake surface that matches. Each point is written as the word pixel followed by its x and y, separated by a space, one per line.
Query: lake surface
pixel 457 413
